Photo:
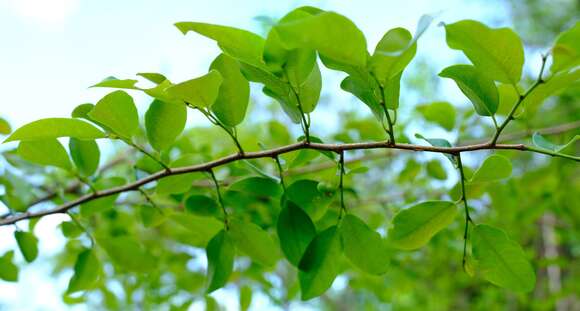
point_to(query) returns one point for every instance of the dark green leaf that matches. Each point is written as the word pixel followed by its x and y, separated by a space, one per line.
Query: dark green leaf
pixel 245 297
pixel 364 247
pixel 556 84
pixel 539 141
pixel 257 186
pixel 500 260
pixel 413 227
pixel 480 90
pixel 220 258
pixel 28 245
pixel 305 193
pixel 295 231
pixel 86 272
pixel 201 205
pixel 320 264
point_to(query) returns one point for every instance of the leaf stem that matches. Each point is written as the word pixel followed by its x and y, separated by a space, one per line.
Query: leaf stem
pixel 219 195
pixel 78 223
pixel 341 185
pixel 145 152
pixel 388 116
pixel 280 172
pixel 510 116
pixel 466 207
pixel 215 121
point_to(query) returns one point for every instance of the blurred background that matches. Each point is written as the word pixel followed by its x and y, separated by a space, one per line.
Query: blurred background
pixel 51 51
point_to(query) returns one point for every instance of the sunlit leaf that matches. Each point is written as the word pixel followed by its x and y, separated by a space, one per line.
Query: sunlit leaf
pixel 494 168
pixel 49 152
pixel 54 128
pixel 85 155
pixel 200 92
pixel 117 111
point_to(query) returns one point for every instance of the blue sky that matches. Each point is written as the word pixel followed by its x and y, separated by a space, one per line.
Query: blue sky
pixel 51 51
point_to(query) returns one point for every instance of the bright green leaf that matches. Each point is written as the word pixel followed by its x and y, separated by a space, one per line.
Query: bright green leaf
pixel 220 258
pixel 113 82
pixel 128 253
pixel 8 270
pixel 320 264
pixel 295 231
pixel 253 241
pixel 87 269
pixel 241 44
pixel 45 152
pixel 234 92
pixel 364 247
pixel 200 92
pixel 442 113
pixel 28 244
pixel 321 32
pixel 495 167
pixel 5 128
pixel 117 111
pixel 498 52
pixel 480 90
pixel 54 128
pixel 413 227
pixel 85 155
pixel 500 260
pixel 164 122
pixel 566 50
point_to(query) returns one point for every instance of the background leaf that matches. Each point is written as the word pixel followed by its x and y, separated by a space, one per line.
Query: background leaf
pixel 220 258
pixel 363 247
pixel 86 272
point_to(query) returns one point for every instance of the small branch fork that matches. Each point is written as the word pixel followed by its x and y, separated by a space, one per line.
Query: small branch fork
pixel 205 167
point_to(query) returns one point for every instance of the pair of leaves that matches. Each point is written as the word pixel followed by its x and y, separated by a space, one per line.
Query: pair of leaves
pixel 248 238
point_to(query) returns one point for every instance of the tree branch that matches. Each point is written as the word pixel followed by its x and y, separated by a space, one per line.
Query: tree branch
pixel 204 167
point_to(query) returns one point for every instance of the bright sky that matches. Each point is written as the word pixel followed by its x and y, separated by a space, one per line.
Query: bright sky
pixel 51 51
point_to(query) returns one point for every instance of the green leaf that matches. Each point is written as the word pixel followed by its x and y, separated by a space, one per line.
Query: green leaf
pixel 28 245
pixel 102 204
pixel 442 113
pixel 566 50
pixel 253 241
pixel 202 229
pixel 154 77
pixel 307 84
pixel 8 270
pixel 127 253
pixel 201 205
pixel 113 82
pixel 257 186
pixel 295 231
pixel 305 193
pixel 178 183
pixel 367 90
pixel 117 111
pixel 539 141
pixel 151 216
pixel 321 32
pixel 86 272
pixel 480 90
pixel 240 44
pixel 320 264
pixel 70 229
pixel 85 155
pixel 495 167
pixel 392 54
pixel 439 142
pixel 498 52
pixel 413 227
pixel 363 247
pixel 45 152
pixel 164 122
pixel 81 111
pixel 556 84
pixel 5 128
pixel 220 259
pixel 245 297
pixel 436 170
pixel 500 260
pixel 200 92
pixel 234 92
pixel 54 128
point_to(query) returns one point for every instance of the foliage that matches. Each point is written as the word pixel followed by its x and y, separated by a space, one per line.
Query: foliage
pixel 279 217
